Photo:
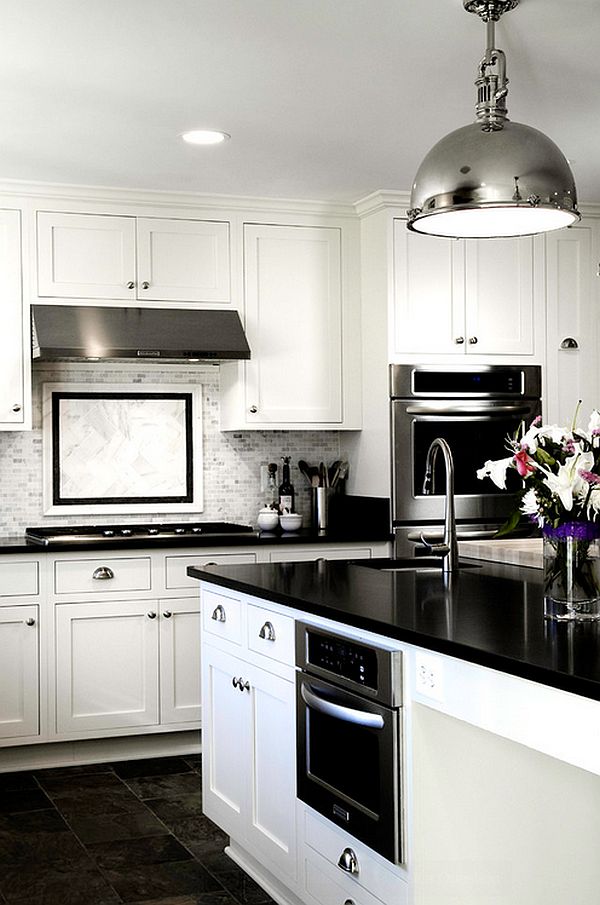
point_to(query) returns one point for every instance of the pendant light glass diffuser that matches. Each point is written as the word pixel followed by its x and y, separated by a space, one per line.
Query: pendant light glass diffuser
pixel 494 177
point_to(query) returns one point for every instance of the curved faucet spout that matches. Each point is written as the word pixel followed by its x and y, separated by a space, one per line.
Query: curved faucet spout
pixel 448 550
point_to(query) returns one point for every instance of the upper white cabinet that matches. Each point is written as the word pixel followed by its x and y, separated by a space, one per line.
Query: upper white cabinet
pixel 300 331
pixel 462 296
pixel 572 329
pixel 101 256
pixel 14 400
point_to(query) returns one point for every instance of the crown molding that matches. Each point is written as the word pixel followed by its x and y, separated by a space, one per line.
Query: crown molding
pixel 98 194
pixel 382 199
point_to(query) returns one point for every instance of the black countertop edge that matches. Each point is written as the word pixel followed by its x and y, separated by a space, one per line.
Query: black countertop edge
pixel 501 662
pixel 20 544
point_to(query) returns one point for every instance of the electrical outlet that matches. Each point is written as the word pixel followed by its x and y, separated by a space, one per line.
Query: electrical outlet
pixel 429 678
pixel 264 478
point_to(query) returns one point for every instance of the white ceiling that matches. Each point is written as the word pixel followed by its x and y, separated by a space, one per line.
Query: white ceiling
pixel 324 99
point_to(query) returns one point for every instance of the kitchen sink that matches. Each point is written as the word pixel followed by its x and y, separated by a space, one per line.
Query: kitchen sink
pixel 411 564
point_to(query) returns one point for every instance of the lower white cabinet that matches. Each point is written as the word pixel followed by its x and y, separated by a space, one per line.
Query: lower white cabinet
pixel 19 671
pixel 249 757
pixel 126 664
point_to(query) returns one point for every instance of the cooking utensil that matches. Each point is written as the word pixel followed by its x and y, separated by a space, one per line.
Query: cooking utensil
pixel 305 469
pixel 322 475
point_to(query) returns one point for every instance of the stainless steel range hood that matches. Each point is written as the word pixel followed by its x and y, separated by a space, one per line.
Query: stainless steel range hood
pixel 82 332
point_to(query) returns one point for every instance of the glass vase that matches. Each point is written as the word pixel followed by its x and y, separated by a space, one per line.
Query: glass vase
pixel 572 572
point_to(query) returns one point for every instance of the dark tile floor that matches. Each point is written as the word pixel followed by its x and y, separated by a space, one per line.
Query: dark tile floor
pixel 111 833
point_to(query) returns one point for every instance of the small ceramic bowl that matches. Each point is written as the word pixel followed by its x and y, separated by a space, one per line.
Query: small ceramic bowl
pixel 267 520
pixel 291 521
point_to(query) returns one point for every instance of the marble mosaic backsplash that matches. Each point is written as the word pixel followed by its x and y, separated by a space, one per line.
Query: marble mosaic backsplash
pixel 231 460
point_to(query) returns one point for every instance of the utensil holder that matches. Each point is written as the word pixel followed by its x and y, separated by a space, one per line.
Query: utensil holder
pixel 319 509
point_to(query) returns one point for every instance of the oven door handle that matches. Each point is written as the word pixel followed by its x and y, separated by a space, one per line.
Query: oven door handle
pixel 444 408
pixel 338 712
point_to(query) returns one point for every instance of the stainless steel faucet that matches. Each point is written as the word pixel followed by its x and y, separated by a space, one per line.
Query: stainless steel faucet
pixel 448 550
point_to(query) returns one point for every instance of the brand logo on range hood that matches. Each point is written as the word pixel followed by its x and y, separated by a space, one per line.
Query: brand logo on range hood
pixel 148 353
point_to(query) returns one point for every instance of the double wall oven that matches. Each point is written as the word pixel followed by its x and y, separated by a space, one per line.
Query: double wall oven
pixel 474 408
pixel 349 723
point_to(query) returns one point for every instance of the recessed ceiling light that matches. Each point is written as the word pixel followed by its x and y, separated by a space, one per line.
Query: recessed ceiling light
pixel 205 137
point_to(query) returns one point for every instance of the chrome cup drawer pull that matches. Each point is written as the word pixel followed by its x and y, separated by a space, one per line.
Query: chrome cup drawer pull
pixel 267 632
pixel 103 573
pixel 219 614
pixel 348 861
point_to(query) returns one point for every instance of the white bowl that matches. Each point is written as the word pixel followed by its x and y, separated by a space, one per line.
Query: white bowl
pixel 291 521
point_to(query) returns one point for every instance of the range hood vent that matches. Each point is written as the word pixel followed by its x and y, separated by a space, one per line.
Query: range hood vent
pixel 91 333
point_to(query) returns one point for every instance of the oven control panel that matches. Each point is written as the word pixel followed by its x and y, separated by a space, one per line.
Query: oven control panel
pixel 343 658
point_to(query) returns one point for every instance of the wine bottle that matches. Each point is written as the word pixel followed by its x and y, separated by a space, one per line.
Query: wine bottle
pixel 286 488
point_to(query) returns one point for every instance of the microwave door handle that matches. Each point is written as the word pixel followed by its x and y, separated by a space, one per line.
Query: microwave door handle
pixel 489 411
pixel 338 712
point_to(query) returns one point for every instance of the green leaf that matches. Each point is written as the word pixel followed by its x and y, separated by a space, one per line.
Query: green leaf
pixel 509 525
pixel 542 456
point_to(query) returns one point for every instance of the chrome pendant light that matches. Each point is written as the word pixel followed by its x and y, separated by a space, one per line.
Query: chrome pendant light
pixel 494 177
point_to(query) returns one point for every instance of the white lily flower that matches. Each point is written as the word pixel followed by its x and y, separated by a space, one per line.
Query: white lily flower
pixel 567 483
pixel 496 471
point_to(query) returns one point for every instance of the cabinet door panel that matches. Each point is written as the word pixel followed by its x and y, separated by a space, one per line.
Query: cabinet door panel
pixel 19 672
pixel 12 391
pixel 293 308
pixel 428 293
pixel 180 661
pixel 571 312
pixel 85 256
pixel 499 296
pixel 225 746
pixel 107 665
pixel 272 821
pixel 183 260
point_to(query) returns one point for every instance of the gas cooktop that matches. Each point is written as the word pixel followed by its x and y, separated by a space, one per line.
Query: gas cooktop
pixel 90 534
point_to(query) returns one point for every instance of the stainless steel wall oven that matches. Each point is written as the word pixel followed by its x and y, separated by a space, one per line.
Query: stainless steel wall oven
pixel 474 408
pixel 349 724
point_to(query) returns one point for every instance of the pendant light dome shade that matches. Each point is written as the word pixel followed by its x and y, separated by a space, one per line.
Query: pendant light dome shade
pixel 494 177
pixel 484 184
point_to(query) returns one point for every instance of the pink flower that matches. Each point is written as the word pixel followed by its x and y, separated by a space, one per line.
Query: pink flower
pixel 523 463
pixel 590 477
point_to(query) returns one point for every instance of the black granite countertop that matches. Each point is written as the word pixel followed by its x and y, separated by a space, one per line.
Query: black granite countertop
pixel 490 613
pixel 19 543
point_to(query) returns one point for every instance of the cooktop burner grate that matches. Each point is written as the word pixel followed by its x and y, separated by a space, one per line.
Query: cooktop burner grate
pixel 89 534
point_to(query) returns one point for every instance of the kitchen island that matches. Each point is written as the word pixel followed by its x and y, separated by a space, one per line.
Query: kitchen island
pixel 501 721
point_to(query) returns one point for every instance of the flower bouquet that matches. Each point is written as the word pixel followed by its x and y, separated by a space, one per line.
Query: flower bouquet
pixel 560 472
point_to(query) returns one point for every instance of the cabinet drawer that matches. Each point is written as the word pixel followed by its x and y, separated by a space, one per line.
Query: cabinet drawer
pixel 222 616
pixel 176 566
pixel 19 579
pixel 98 576
pixel 330 841
pixel 271 635
pixel 292 555
pixel 329 886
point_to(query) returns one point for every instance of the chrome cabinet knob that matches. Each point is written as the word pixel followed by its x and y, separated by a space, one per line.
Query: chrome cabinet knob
pixel 473 340
pixel 219 614
pixel 459 340
pixel 167 614
pixel 253 409
pixel 349 902
pixel 103 573
pixel 569 343
pixel 131 284
pixel 30 621
pixel 243 686
pixel 151 615
pixel 348 862
pixel 145 285
pixel 267 632
pixel 16 407
pixel 235 681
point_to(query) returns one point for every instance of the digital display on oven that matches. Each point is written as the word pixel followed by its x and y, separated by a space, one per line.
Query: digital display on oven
pixel 341 657
pixel 496 382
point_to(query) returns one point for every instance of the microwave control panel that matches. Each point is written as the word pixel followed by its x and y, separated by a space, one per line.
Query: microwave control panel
pixel 343 657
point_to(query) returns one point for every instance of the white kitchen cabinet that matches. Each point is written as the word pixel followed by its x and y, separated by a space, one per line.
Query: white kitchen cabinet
pixel 101 256
pixel 462 296
pixel 572 330
pixel 301 330
pixel 19 671
pixel 106 665
pixel 14 341
pixel 179 638
pixel 249 756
